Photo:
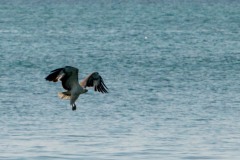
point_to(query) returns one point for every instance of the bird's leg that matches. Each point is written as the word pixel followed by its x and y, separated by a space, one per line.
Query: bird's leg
pixel 74 107
pixel 74 97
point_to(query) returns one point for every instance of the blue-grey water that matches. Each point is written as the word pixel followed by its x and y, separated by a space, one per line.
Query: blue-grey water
pixel 172 69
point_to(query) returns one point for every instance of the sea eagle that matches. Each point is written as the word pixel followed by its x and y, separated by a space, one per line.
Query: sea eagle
pixel 69 77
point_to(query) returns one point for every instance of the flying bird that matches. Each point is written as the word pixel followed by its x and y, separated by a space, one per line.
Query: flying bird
pixel 69 77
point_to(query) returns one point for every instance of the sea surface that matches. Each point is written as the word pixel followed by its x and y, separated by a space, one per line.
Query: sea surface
pixel 172 68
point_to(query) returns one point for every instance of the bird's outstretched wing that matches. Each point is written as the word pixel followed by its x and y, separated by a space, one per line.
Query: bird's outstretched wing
pixel 96 81
pixel 68 75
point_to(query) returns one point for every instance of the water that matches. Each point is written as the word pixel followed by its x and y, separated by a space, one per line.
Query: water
pixel 172 69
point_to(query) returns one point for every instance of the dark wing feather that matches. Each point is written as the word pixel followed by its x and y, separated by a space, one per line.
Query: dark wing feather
pixel 96 81
pixel 54 75
pixel 67 75
pixel 71 76
pixel 65 85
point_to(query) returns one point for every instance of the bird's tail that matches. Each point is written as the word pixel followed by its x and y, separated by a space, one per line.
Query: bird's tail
pixel 54 75
pixel 64 95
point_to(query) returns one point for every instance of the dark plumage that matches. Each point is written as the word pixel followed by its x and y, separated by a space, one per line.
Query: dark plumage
pixel 69 77
pixel 96 81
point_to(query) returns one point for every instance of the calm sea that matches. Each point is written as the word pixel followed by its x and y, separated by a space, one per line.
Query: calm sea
pixel 172 69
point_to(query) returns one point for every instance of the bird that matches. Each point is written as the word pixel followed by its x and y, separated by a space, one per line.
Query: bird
pixel 68 75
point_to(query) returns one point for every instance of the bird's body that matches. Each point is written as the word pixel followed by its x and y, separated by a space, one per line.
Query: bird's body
pixel 69 77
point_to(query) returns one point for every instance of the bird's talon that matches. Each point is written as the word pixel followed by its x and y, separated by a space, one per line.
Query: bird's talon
pixel 74 108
